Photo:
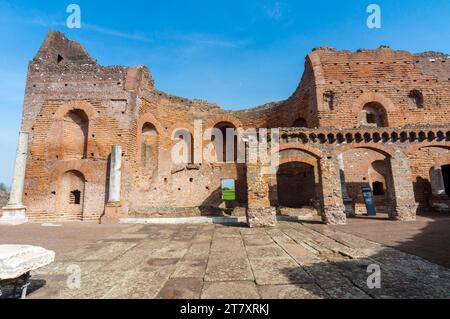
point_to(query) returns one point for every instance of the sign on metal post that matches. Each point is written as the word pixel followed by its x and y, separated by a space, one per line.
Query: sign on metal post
pixel 368 199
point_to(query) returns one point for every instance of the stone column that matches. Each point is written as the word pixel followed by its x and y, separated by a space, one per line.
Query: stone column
pixel 259 211
pixel 114 205
pixel 402 204
pixel 348 202
pixel 333 210
pixel 14 212
pixel 115 174
pixel 437 181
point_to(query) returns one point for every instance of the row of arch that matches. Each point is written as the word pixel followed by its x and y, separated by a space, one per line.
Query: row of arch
pixel 298 181
pixel 150 140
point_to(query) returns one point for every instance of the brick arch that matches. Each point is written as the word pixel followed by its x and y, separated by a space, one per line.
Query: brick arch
pixel 316 65
pixel 149 118
pixel 79 166
pixel 284 185
pixel 75 105
pixel 368 97
pixel 54 140
pixel 290 159
pixel 414 148
pixel 380 148
pixel 301 147
pixel 143 119
pixel 213 121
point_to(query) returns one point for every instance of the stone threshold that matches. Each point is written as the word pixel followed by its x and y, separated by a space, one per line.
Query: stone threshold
pixel 203 220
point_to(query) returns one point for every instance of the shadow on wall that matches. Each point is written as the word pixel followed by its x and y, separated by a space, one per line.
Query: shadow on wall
pixel 403 276
pixel 211 205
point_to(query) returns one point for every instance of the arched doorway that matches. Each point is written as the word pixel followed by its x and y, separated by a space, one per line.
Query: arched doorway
pixel 75 135
pixel 296 185
pixel 446 176
pixel 71 197
pixel 430 175
pixel 377 176
pixel 365 176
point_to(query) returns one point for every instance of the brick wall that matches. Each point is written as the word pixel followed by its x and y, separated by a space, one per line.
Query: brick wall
pixel 113 104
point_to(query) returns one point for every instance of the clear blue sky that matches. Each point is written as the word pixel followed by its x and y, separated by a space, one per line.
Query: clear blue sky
pixel 234 53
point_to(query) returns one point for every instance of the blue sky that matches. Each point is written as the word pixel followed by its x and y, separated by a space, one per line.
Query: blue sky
pixel 234 53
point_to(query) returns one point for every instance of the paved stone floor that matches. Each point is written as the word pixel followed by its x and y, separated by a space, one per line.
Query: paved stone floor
pixel 428 237
pixel 294 260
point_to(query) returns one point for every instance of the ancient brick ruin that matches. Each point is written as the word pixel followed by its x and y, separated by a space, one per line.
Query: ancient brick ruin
pixel 100 140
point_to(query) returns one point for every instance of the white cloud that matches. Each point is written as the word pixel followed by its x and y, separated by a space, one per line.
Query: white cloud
pixel 202 39
pixel 116 33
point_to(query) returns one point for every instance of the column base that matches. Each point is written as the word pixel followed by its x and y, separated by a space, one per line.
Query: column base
pixel 113 212
pixel 262 217
pixel 349 211
pixel 14 215
pixel 334 215
pixel 405 213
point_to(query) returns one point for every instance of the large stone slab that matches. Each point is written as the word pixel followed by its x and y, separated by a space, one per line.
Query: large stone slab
pixel 16 260
pixel 230 290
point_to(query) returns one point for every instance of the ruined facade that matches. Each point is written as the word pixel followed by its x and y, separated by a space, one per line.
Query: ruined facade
pixel 371 118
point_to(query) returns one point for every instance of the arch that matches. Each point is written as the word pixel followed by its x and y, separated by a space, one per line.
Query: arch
pixel 84 167
pixel 149 118
pixel 70 135
pixel 427 160
pixel 296 184
pixel 305 148
pixel 75 132
pixel 148 142
pixel 375 100
pixel 289 159
pixel 149 146
pixel 374 114
pixel 365 167
pixel 415 147
pixel 224 145
pixel 300 122
pixel 85 106
pixel 213 121
pixel 373 97
pixel 446 177
pixel 377 147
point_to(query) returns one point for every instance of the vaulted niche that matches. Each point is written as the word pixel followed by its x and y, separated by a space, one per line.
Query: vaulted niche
pixel 75 135
pixel 149 147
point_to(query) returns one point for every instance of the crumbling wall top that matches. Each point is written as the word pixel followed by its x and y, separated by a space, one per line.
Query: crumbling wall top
pixel 57 49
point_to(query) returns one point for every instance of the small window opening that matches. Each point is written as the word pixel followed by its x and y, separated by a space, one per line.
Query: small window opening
pixel 228 190
pixel 378 189
pixel 75 197
pixel 60 59
pixel 371 118
pixel 416 98
pixel 330 99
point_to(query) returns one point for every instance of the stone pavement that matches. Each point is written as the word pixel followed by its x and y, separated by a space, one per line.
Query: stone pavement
pixel 428 237
pixel 294 260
